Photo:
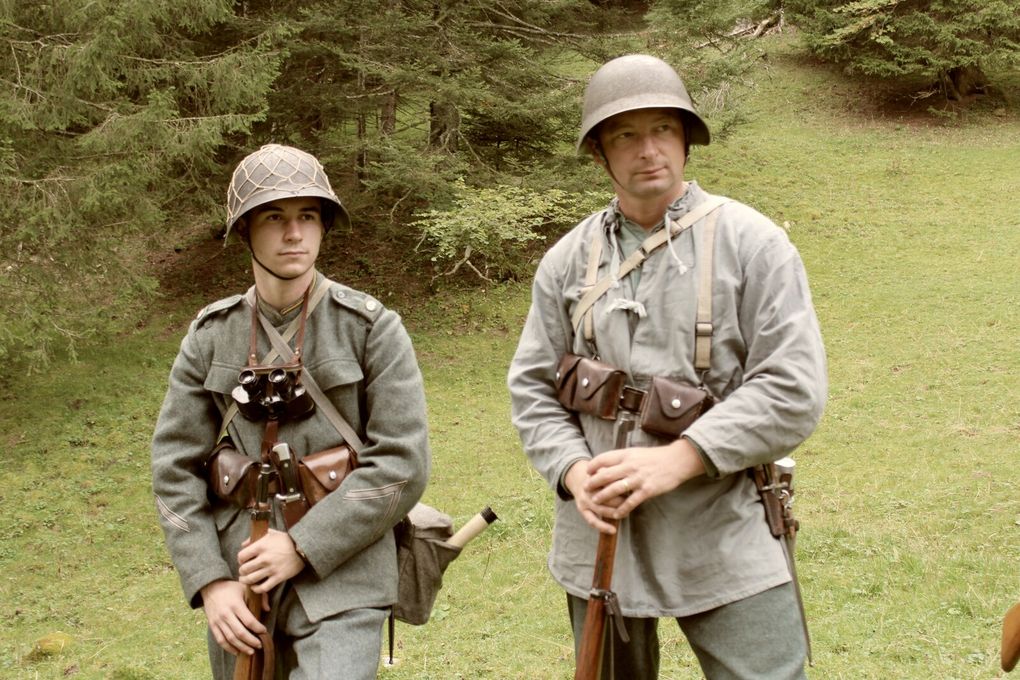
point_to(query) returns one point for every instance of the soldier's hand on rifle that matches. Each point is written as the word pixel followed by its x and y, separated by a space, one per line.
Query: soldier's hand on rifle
pixel 576 481
pixel 624 478
pixel 269 561
pixel 233 626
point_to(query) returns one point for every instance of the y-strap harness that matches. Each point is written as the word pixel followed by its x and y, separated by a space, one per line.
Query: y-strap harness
pixel 281 348
pixel 596 288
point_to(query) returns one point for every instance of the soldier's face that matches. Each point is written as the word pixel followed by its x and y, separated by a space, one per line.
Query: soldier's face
pixel 285 235
pixel 644 149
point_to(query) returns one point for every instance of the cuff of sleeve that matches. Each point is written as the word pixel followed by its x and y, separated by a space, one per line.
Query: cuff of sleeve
pixel 711 470
pixel 300 553
pixel 309 565
pixel 194 583
pixel 561 488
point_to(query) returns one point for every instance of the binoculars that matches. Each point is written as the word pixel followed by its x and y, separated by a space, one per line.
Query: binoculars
pixel 272 392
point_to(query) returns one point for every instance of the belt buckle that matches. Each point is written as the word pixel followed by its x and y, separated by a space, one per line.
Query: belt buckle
pixel 631 399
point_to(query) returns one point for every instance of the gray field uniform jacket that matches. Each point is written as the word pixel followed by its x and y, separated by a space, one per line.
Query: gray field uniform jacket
pixel 361 356
pixel 706 543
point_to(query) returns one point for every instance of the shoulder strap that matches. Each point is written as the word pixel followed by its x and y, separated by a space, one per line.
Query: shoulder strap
pixel 288 333
pixel 703 327
pixel 596 289
pixel 591 276
pixel 318 396
pixel 316 393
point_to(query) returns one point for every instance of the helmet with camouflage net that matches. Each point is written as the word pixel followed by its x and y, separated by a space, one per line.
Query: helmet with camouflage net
pixel 638 81
pixel 274 172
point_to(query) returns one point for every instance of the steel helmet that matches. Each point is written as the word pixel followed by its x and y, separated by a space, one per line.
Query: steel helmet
pixel 638 81
pixel 274 172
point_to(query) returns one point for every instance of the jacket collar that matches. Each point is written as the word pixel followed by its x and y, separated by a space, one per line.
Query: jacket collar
pixel 612 218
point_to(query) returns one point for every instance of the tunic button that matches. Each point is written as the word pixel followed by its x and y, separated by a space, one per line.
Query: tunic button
pixel 675 403
pixel 370 305
pixel 332 474
pixel 584 382
pixel 226 479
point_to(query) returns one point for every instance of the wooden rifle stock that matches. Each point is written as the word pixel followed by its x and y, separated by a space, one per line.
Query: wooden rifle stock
pixel 1010 652
pixel 589 655
pixel 262 664
pixel 601 600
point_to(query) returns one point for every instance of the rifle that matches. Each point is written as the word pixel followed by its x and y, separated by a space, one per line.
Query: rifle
pixel 262 664
pixel 602 601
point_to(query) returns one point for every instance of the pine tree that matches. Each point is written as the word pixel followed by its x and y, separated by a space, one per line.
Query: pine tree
pixel 403 96
pixel 951 43
pixel 110 121
pixel 122 120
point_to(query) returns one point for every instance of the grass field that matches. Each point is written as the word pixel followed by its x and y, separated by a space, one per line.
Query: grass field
pixel 908 494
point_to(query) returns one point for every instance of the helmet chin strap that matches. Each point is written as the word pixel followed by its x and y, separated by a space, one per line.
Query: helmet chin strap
pixel 605 161
pixel 271 272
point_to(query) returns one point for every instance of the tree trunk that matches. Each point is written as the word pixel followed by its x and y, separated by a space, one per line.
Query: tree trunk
pixel 388 116
pixel 961 82
pixel 444 126
pixel 361 159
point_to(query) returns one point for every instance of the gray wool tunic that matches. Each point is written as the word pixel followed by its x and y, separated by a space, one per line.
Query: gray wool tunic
pixel 361 356
pixel 706 543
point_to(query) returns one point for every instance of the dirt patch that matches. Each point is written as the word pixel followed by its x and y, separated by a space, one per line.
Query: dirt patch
pixel 202 269
pixel 911 101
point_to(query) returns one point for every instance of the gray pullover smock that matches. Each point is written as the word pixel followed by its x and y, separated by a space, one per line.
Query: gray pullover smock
pixel 706 543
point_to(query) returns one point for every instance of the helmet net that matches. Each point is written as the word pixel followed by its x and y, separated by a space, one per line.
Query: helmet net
pixel 271 173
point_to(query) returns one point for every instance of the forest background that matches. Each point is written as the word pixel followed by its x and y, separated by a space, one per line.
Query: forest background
pixel 883 136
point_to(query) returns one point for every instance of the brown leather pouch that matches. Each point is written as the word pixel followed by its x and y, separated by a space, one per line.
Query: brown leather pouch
pixel 321 472
pixel 231 475
pixel 670 407
pixel 589 386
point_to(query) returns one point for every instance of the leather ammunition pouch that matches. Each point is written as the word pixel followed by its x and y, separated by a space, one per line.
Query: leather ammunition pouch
pixel 231 475
pixel 670 407
pixel 321 473
pixel 589 386
pixel 666 409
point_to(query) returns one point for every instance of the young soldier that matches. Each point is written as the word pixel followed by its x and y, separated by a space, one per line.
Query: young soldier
pixel 331 575
pixel 693 543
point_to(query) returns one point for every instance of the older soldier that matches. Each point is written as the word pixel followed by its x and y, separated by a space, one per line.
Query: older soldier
pixel 674 313
pixel 329 569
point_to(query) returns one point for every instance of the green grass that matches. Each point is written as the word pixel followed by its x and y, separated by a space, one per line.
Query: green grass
pixel 908 493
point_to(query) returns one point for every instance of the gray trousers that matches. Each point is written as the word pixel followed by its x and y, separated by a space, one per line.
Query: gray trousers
pixel 757 638
pixel 346 646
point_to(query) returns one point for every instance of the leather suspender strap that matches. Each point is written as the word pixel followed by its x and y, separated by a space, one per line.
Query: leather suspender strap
pixel 318 396
pixel 598 288
pixel 288 333
pixel 253 340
